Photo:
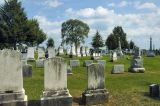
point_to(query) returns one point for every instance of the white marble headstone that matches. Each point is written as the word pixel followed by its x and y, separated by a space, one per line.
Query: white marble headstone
pixel 55 74
pixel 41 53
pixel 30 53
pixel 96 79
pixel 51 52
pixel 11 78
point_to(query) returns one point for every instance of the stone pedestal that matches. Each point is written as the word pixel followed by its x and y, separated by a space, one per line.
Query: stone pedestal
pixel 137 66
pixel 58 98
pixel 10 98
pixel 94 97
pixel 117 69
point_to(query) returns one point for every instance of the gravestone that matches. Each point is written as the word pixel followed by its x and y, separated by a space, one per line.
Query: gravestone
pixel 154 90
pixel 12 92
pixel 73 50
pixel 78 51
pixel 117 69
pixel 40 63
pixel 69 70
pixel 60 50
pixel 30 53
pixel 41 53
pixel 83 51
pixel 55 83
pixel 114 57
pixel 137 62
pixel 27 69
pixel 87 50
pixel 74 63
pixel 119 52
pixel 51 52
pixel 68 51
pixel 96 92
pixel 150 53
pixel 87 62
pixel 102 62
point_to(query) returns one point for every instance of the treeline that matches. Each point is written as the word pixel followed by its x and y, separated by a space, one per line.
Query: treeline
pixel 16 28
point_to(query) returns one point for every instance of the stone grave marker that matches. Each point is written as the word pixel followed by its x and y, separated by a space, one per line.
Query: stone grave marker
pixel 87 62
pixel 117 69
pixel 74 63
pixel 51 52
pixel 55 83
pixel 102 62
pixel 96 92
pixel 12 92
pixel 30 53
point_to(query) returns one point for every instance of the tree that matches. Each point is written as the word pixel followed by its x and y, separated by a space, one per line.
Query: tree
pixel 15 28
pixel 74 31
pixel 112 40
pixel 131 45
pixel 97 41
pixel 50 42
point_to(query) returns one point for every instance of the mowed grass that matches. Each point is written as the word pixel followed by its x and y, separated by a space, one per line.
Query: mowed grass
pixel 128 89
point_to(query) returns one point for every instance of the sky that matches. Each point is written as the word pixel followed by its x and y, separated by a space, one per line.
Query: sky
pixel 140 19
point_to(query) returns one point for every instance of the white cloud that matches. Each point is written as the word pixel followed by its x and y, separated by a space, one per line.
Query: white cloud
pixel 137 26
pixel 51 28
pixel 146 5
pixel 53 3
pixel 123 4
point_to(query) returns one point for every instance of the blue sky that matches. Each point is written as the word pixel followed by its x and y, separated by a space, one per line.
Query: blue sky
pixel 140 19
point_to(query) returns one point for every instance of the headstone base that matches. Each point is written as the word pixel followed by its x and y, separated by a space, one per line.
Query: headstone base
pixel 94 97
pixel 13 99
pixel 137 70
pixel 58 98
pixel 27 70
pixel 150 54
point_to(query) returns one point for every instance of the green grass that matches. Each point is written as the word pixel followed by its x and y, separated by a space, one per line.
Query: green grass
pixel 124 89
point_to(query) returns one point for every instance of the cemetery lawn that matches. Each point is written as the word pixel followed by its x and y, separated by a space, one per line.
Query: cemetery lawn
pixel 124 89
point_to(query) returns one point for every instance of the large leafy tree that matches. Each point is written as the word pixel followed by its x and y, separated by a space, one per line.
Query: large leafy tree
pixel 97 41
pixel 112 40
pixel 50 42
pixel 15 28
pixel 131 45
pixel 74 32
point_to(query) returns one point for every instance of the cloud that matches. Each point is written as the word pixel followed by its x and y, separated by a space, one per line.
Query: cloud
pixel 51 28
pixel 146 5
pixel 123 4
pixel 138 26
pixel 53 3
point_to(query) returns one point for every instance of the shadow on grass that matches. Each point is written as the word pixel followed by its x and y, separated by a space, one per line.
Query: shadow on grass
pixel 78 100
pixel 34 103
pixel 146 94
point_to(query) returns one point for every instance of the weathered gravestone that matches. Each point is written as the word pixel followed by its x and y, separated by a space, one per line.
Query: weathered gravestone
pixel 27 69
pixel 11 79
pixel 137 62
pixel 55 83
pixel 41 53
pixel 51 52
pixel 30 53
pixel 74 63
pixel 40 63
pixel 96 92
pixel 87 62
pixel 102 62
pixel 69 70
pixel 117 69
pixel 114 57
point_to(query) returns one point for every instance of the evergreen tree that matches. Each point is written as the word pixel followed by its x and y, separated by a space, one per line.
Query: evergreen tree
pixel 97 41
pixel 112 40
pixel 50 42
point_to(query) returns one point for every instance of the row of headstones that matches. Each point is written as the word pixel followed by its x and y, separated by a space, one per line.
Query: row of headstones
pixel 55 92
pixel 81 51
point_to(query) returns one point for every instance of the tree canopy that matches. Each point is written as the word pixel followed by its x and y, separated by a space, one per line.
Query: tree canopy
pixel 112 40
pixel 74 32
pixel 50 42
pixel 16 28
pixel 97 41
